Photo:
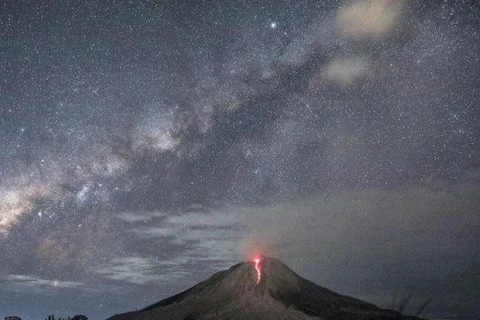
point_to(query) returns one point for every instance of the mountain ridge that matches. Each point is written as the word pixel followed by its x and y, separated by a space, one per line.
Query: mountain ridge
pixel 280 294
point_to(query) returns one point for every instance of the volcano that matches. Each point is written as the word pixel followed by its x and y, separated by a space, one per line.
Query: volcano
pixel 260 289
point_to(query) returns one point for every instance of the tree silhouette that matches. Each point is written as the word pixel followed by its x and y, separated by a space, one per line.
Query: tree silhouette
pixel 52 317
pixel 13 318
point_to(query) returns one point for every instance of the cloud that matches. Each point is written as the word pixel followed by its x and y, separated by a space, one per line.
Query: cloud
pixel 220 218
pixel 385 240
pixel 184 241
pixel 194 226
pixel 345 71
pixel 157 232
pixel 201 237
pixel 142 270
pixel 32 284
pixel 142 216
pixel 369 19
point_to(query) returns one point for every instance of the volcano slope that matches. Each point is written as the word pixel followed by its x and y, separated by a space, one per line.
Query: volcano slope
pixel 280 294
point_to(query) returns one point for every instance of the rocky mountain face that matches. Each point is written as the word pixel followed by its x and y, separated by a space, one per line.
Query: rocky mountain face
pixel 280 294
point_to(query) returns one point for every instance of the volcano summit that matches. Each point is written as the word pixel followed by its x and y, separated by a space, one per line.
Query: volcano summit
pixel 263 288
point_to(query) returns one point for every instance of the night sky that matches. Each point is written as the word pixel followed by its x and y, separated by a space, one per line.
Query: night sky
pixel 145 145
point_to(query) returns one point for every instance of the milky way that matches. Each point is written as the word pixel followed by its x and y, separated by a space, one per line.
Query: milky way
pixel 145 145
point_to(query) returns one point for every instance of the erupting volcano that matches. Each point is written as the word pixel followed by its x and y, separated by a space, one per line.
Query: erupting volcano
pixel 258 289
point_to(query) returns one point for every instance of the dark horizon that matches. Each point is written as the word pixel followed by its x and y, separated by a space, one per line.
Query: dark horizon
pixel 145 145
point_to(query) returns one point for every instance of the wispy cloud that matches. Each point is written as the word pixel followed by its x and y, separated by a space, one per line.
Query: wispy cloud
pixel 212 236
pixel 141 270
pixel 32 284
pixel 142 216
pixel 194 225
pixel 190 240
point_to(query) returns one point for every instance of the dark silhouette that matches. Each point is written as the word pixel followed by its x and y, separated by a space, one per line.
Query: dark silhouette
pixel 279 293
pixel 75 317
pixel 13 318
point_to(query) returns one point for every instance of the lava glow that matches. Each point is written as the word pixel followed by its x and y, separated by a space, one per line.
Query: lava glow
pixel 258 267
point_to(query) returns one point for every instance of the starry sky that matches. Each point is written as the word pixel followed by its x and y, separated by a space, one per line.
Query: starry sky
pixel 145 145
